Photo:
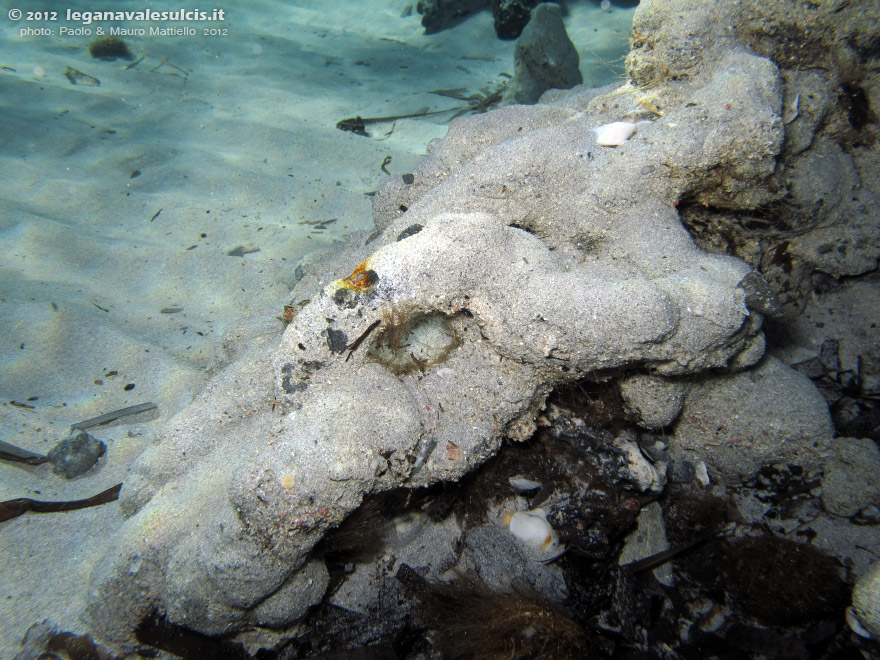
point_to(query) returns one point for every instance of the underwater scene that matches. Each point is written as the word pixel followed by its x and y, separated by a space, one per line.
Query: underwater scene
pixel 440 329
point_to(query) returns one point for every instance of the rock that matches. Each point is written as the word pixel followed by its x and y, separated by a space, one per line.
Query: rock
pixel 852 476
pixel 638 471
pixel 501 562
pixel 438 15
pixel 864 615
pixel 544 57
pixel 821 191
pixel 869 375
pixel 701 473
pixel 512 16
pixel 649 538
pixel 413 539
pixel 293 598
pixel 760 296
pixel 654 447
pixel 527 258
pixel 681 472
pixel 76 454
pixel 653 400
pixel 740 422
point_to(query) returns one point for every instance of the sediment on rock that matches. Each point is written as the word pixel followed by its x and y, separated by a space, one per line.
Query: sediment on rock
pixel 519 257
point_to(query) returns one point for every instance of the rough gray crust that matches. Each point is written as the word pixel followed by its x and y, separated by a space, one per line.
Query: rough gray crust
pixel 811 218
pixel 521 256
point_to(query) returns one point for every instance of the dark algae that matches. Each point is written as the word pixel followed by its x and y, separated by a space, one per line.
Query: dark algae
pixel 14 508
pixel 109 49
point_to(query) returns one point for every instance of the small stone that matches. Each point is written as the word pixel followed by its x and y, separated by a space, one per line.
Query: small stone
pixel 869 375
pixel 655 454
pixel 811 368
pixel 829 356
pixel 649 538
pixel 759 296
pixel 866 602
pixel 681 472
pixel 852 477
pixel 76 454
pixel 702 473
pixel 655 401
pixel 638 471
pixel 412 230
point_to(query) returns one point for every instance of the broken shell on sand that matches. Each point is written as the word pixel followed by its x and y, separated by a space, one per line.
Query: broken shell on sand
pixel 615 133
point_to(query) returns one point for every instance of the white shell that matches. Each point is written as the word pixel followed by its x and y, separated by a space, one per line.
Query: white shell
pixel 532 528
pixel 702 473
pixel 615 133
pixel 522 484
pixel 539 538
pixel 855 625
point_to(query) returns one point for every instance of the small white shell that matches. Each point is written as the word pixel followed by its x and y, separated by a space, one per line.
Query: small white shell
pixel 523 485
pixel 536 534
pixel 790 113
pixel 615 133
pixel 532 528
pixel 702 473
pixel 855 625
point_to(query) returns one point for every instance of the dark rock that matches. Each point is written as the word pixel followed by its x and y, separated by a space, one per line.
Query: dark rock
pixel 829 356
pixel 681 472
pixel 544 57
pixel 511 16
pixel 412 230
pixel 811 368
pixel 109 49
pixel 345 298
pixel 438 15
pixel 869 375
pixel 501 563
pixel 655 454
pixel 858 418
pixel 289 383
pixel 760 296
pixel 76 454
pixel 337 340
pixel 653 446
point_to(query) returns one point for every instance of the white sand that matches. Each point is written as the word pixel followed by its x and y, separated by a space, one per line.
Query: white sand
pixel 240 151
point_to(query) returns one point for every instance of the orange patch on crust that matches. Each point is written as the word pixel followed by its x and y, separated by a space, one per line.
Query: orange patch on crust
pixel 359 280
pixel 289 312
pixel 453 451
